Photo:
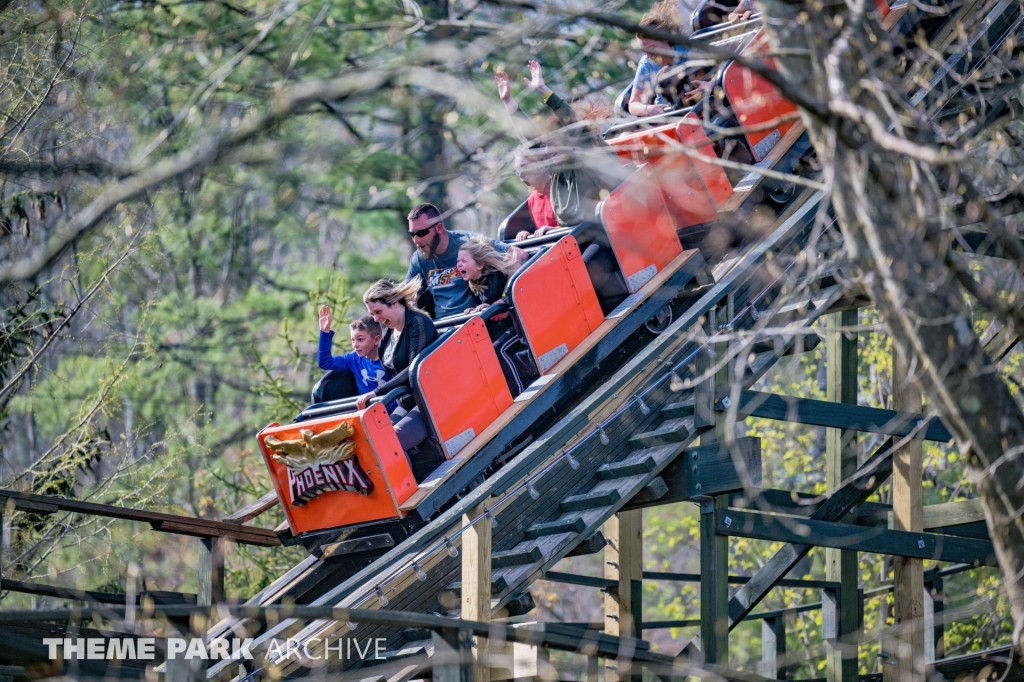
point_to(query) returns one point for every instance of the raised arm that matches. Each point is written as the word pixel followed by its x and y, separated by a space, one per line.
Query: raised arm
pixel 505 93
pixel 566 116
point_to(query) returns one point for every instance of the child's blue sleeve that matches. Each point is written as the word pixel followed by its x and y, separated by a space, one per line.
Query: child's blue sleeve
pixel 327 361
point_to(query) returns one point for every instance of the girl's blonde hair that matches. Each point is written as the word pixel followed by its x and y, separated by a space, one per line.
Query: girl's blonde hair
pixel 387 292
pixel 487 257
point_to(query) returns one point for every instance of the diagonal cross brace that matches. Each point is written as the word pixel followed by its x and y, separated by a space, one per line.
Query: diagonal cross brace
pixel 864 482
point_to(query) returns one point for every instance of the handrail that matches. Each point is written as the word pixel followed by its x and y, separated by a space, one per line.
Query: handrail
pixel 345 405
pixel 458 320
pixel 725 27
pixel 546 238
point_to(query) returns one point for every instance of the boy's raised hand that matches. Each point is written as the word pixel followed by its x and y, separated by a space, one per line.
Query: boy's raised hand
pixel 325 318
pixel 504 90
pixel 536 81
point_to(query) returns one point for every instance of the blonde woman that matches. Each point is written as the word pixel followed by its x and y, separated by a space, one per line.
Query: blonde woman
pixel 485 270
pixel 407 331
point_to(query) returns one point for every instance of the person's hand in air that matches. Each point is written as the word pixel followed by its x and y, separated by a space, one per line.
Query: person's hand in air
pixel 364 400
pixel 504 89
pixel 325 318
pixel 702 90
pixel 741 13
pixel 536 80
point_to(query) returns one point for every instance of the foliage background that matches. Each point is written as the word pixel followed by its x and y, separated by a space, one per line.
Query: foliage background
pixel 150 394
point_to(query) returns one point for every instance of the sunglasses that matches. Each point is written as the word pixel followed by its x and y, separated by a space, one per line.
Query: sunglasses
pixel 421 233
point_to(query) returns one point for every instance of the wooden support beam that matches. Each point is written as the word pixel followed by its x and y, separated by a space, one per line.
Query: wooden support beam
pixel 848 536
pixel 453 659
pixel 840 607
pixel 714 548
pixel 714 584
pixel 773 647
pixel 947 514
pixel 167 523
pixel 934 589
pixel 6 511
pixel 159 598
pixel 864 482
pixel 907 648
pixel 623 564
pixel 211 571
pixel 824 413
pixel 957 516
pixel 476 582
pixel 251 511
pixel 710 469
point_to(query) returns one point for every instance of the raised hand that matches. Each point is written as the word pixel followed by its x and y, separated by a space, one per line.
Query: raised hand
pixel 536 80
pixel 325 318
pixel 504 89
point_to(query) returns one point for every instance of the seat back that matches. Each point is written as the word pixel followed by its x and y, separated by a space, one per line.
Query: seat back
pixel 554 302
pixel 690 131
pixel 637 147
pixel 660 146
pixel 460 386
pixel 641 229
pixel 755 101
pixel 682 188
pixel 516 221
pixel 322 484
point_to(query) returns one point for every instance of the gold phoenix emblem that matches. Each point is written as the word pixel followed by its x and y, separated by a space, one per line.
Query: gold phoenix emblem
pixel 320 462
pixel 314 448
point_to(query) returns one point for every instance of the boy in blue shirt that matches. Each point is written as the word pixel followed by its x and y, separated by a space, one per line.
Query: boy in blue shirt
pixel 366 370
pixel 647 97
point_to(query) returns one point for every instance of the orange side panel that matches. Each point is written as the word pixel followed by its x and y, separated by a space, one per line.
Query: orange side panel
pixel 755 101
pixel 640 228
pixel 462 386
pixel 685 195
pixel 378 459
pixel 691 131
pixel 555 302
pixel 639 146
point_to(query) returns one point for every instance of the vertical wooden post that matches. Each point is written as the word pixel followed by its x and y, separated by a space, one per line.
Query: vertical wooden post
pixel 773 647
pixel 476 582
pixel 842 608
pixel 130 593
pixel 907 648
pixel 5 534
pixel 714 583
pixel 211 571
pixel 939 626
pixel 624 562
pixel 714 549
pixel 6 526
pixel 452 660
pixel 929 626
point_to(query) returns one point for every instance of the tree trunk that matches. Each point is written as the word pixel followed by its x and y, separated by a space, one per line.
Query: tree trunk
pixel 888 206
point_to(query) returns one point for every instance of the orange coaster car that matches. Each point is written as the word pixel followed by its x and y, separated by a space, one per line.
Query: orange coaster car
pixel 338 471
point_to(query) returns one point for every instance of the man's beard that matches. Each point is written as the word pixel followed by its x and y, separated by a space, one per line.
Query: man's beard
pixel 428 250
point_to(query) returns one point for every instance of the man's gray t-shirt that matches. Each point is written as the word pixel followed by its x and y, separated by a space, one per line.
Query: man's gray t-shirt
pixel 451 292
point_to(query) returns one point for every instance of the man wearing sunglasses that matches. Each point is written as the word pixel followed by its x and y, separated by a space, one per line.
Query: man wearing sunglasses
pixel 437 251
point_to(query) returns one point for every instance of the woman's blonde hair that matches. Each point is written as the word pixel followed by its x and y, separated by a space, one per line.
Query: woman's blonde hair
pixel 387 292
pixel 487 257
